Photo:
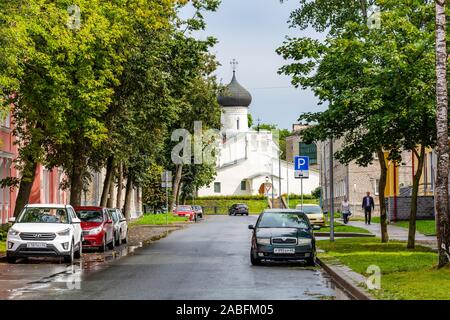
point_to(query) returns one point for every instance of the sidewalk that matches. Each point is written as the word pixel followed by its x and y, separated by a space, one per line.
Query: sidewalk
pixel 396 233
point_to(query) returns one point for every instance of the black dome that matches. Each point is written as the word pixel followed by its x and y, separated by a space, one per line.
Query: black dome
pixel 234 95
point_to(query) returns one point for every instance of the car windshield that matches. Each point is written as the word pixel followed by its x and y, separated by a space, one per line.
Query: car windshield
pixel 43 215
pixel 184 208
pixel 311 209
pixel 242 206
pixel 114 215
pixel 283 220
pixel 90 215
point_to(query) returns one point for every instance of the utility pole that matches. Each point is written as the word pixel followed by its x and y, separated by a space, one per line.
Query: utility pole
pixel 279 178
pixel 331 193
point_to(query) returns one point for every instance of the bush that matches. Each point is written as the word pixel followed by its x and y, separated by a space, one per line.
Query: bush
pixel 252 197
pixel 4 231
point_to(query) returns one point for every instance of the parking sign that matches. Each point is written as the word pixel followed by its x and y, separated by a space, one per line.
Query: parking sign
pixel 301 167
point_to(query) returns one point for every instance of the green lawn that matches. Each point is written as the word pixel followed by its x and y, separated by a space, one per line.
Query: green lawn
pixel 406 274
pixel 339 227
pixel 157 219
pixel 426 227
pixel 255 206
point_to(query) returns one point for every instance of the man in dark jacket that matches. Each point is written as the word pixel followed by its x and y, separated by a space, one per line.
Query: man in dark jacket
pixel 368 205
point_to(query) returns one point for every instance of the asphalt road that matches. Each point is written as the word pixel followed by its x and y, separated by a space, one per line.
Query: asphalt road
pixel 208 260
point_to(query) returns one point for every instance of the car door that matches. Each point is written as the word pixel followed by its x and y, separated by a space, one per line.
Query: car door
pixel 109 226
pixel 76 225
pixel 123 223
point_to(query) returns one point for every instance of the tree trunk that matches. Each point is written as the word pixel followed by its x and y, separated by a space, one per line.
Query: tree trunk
pixel 415 191
pixel 76 178
pixel 176 184
pixel 110 202
pixel 441 188
pixel 119 187
pixel 107 181
pixel 128 192
pixel 381 190
pixel 26 183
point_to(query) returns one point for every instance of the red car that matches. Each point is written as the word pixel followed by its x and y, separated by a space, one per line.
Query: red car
pixel 185 211
pixel 98 228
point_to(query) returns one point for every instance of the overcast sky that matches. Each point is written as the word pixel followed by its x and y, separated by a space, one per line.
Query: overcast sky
pixel 250 31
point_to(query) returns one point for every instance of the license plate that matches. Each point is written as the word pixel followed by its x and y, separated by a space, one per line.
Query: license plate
pixel 284 250
pixel 36 245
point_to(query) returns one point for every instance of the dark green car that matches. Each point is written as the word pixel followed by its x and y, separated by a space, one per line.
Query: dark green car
pixel 283 235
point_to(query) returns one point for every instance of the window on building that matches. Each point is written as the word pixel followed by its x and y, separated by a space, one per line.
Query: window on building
pixel 309 150
pixel 376 187
pixel 217 187
pixel 243 185
pixel 237 124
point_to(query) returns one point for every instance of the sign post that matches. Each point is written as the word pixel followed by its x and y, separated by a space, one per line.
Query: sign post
pixel 166 182
pixel 301 167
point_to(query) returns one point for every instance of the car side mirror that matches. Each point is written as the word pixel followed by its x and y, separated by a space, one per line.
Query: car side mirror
pixel 251 227
pixel 315 227
pixel 12 220
pixel 76 221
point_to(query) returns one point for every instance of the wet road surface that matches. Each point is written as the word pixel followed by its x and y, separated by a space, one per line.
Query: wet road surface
pixel 208 260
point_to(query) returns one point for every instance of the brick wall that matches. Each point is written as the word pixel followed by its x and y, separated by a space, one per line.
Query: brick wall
pixel 425 207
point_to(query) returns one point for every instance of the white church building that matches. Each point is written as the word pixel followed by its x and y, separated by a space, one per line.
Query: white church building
pixel 248 160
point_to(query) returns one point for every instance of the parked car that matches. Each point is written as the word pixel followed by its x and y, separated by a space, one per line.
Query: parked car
pixel 98 228
pixel 185 211
pixel 45 230
pixel 198 211
pixel 314 213
pixel 120 226
pixel 238 208
pixel 283 234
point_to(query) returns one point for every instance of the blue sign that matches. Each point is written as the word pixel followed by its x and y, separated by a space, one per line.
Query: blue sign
pixel 301 163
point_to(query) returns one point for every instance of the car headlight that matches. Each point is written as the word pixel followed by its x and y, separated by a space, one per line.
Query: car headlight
pixel 264 241
pixel 303 241
pixel 95 230
pixel 13 232
pixel 64 233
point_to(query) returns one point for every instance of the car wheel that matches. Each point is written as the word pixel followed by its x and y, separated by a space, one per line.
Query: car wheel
pixel 255 261
pixel 103 247
pixel 70 257
pixel 311 262
pixel 79 252
pixel 112 244
pixel 125 240
pixel 10 259
pixel 117 242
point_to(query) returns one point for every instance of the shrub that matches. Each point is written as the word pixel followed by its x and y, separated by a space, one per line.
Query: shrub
pixel 4 231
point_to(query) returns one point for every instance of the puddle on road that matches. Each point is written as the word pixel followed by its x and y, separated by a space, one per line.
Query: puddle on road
pixel 72 275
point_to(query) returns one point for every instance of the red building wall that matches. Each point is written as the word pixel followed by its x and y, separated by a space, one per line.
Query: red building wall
pixel 46 184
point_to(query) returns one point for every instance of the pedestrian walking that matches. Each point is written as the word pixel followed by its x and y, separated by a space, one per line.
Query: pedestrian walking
pixel 368 205
pixel 345 209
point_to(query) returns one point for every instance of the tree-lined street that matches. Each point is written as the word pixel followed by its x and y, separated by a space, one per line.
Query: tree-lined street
pixel 208 260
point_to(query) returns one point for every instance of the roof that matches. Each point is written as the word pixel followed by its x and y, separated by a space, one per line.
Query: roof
pixel 47 205
pixel 234 95
pixel 283 211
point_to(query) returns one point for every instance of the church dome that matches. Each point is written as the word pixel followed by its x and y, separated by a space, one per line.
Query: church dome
pixel 234 95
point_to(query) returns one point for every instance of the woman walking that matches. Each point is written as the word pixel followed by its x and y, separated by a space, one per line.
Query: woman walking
pixel 345 209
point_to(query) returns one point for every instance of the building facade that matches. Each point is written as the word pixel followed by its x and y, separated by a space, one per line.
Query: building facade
pixel 248 161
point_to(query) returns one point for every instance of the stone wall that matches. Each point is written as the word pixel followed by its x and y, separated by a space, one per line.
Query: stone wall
pixel 425 207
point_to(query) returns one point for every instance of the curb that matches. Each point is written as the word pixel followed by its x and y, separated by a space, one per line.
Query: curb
pixel 345 234
pixel 353 291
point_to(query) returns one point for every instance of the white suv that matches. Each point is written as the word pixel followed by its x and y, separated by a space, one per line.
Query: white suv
pixel 45 230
